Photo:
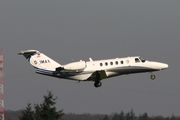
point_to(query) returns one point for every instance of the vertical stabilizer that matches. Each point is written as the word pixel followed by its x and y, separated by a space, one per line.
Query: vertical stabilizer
pixel 39 60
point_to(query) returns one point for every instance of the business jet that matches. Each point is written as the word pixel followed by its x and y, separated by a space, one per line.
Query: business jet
pixel 92 70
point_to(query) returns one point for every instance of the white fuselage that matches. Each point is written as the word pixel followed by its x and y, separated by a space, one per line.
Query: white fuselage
pixel 91 70
pixel 113 67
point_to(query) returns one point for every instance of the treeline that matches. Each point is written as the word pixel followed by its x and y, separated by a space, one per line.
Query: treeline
pixel 14 115
pixel 47 111
pixel 131 116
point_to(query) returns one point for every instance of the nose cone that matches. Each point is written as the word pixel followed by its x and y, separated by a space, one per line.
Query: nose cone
pixel 162 66
pixel 165 66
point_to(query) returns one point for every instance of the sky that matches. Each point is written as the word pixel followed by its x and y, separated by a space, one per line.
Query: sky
pixel 73 30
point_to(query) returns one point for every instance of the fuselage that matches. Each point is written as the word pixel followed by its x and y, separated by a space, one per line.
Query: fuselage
pixel 91 70
pixel 129 65
pixel 112 67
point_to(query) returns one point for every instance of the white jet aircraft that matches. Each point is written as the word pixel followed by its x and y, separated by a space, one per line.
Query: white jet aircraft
pixel 91 70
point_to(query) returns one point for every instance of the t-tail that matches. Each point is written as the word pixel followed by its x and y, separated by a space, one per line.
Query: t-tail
pixel 42 63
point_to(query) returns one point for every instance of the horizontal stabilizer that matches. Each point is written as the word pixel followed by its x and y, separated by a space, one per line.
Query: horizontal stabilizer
pixel 27 53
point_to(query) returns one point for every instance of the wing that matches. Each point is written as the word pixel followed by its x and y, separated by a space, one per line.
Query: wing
pixel 98 75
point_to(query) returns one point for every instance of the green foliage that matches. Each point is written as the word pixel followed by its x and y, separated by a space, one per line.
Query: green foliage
pixel 120 116
pixel 27 113
pixel 44 111
pixel 128 116
pixel 143 116
pixel 132 115
pixel 105 117
pixel 115 117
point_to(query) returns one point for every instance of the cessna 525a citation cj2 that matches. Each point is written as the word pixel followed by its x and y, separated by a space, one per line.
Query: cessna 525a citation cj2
pixel 91 70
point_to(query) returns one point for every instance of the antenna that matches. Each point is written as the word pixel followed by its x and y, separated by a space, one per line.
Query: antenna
pixel 1 87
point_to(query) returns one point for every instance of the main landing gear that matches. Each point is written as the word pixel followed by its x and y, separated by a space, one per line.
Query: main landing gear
pixel 97 84
pixel 152 76
pixel 97 80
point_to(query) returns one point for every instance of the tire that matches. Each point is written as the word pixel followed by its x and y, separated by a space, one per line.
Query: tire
pixel 97 84
pixel 152 77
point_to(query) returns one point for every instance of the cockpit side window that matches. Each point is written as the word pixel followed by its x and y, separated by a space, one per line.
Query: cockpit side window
pixel 137 60
pixel 143 60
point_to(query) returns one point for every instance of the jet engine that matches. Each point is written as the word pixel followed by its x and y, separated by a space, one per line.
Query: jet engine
pixel 81 65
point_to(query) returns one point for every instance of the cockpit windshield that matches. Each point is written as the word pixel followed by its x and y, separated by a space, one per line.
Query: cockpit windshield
pixel 142 60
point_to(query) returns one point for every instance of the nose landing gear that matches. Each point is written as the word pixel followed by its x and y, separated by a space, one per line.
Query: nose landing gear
pixel 152 77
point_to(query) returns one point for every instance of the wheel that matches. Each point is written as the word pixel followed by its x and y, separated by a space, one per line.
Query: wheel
pixel 152 77
pixel 97 84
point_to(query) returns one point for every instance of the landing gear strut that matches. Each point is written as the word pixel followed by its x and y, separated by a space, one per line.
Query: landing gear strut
pixel 97 84
pixel 152 77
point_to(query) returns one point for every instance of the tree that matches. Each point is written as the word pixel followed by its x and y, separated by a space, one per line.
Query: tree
pixel 37 112
pixel 121 116
pixel 105 117
pixel 27 113
pixel 172 117
pixel 143 116
pixel 118 116
pixel 115 117
pixel 48 110
pixel 44 111
pixel 130 115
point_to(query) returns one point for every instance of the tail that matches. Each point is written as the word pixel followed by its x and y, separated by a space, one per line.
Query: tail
pixel 40 61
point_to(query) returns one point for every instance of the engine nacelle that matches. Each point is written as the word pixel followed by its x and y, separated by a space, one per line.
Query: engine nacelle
pixel 81 65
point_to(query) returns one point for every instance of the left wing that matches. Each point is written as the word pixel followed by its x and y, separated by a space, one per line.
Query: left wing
pixel 98 75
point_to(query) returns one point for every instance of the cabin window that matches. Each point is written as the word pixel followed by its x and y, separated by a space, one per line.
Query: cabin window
pixel 111 63
pixel 137 60
pixel 106 63
pixel 101 64
pixel 122 62
pixel 116 62
pixel 127 61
